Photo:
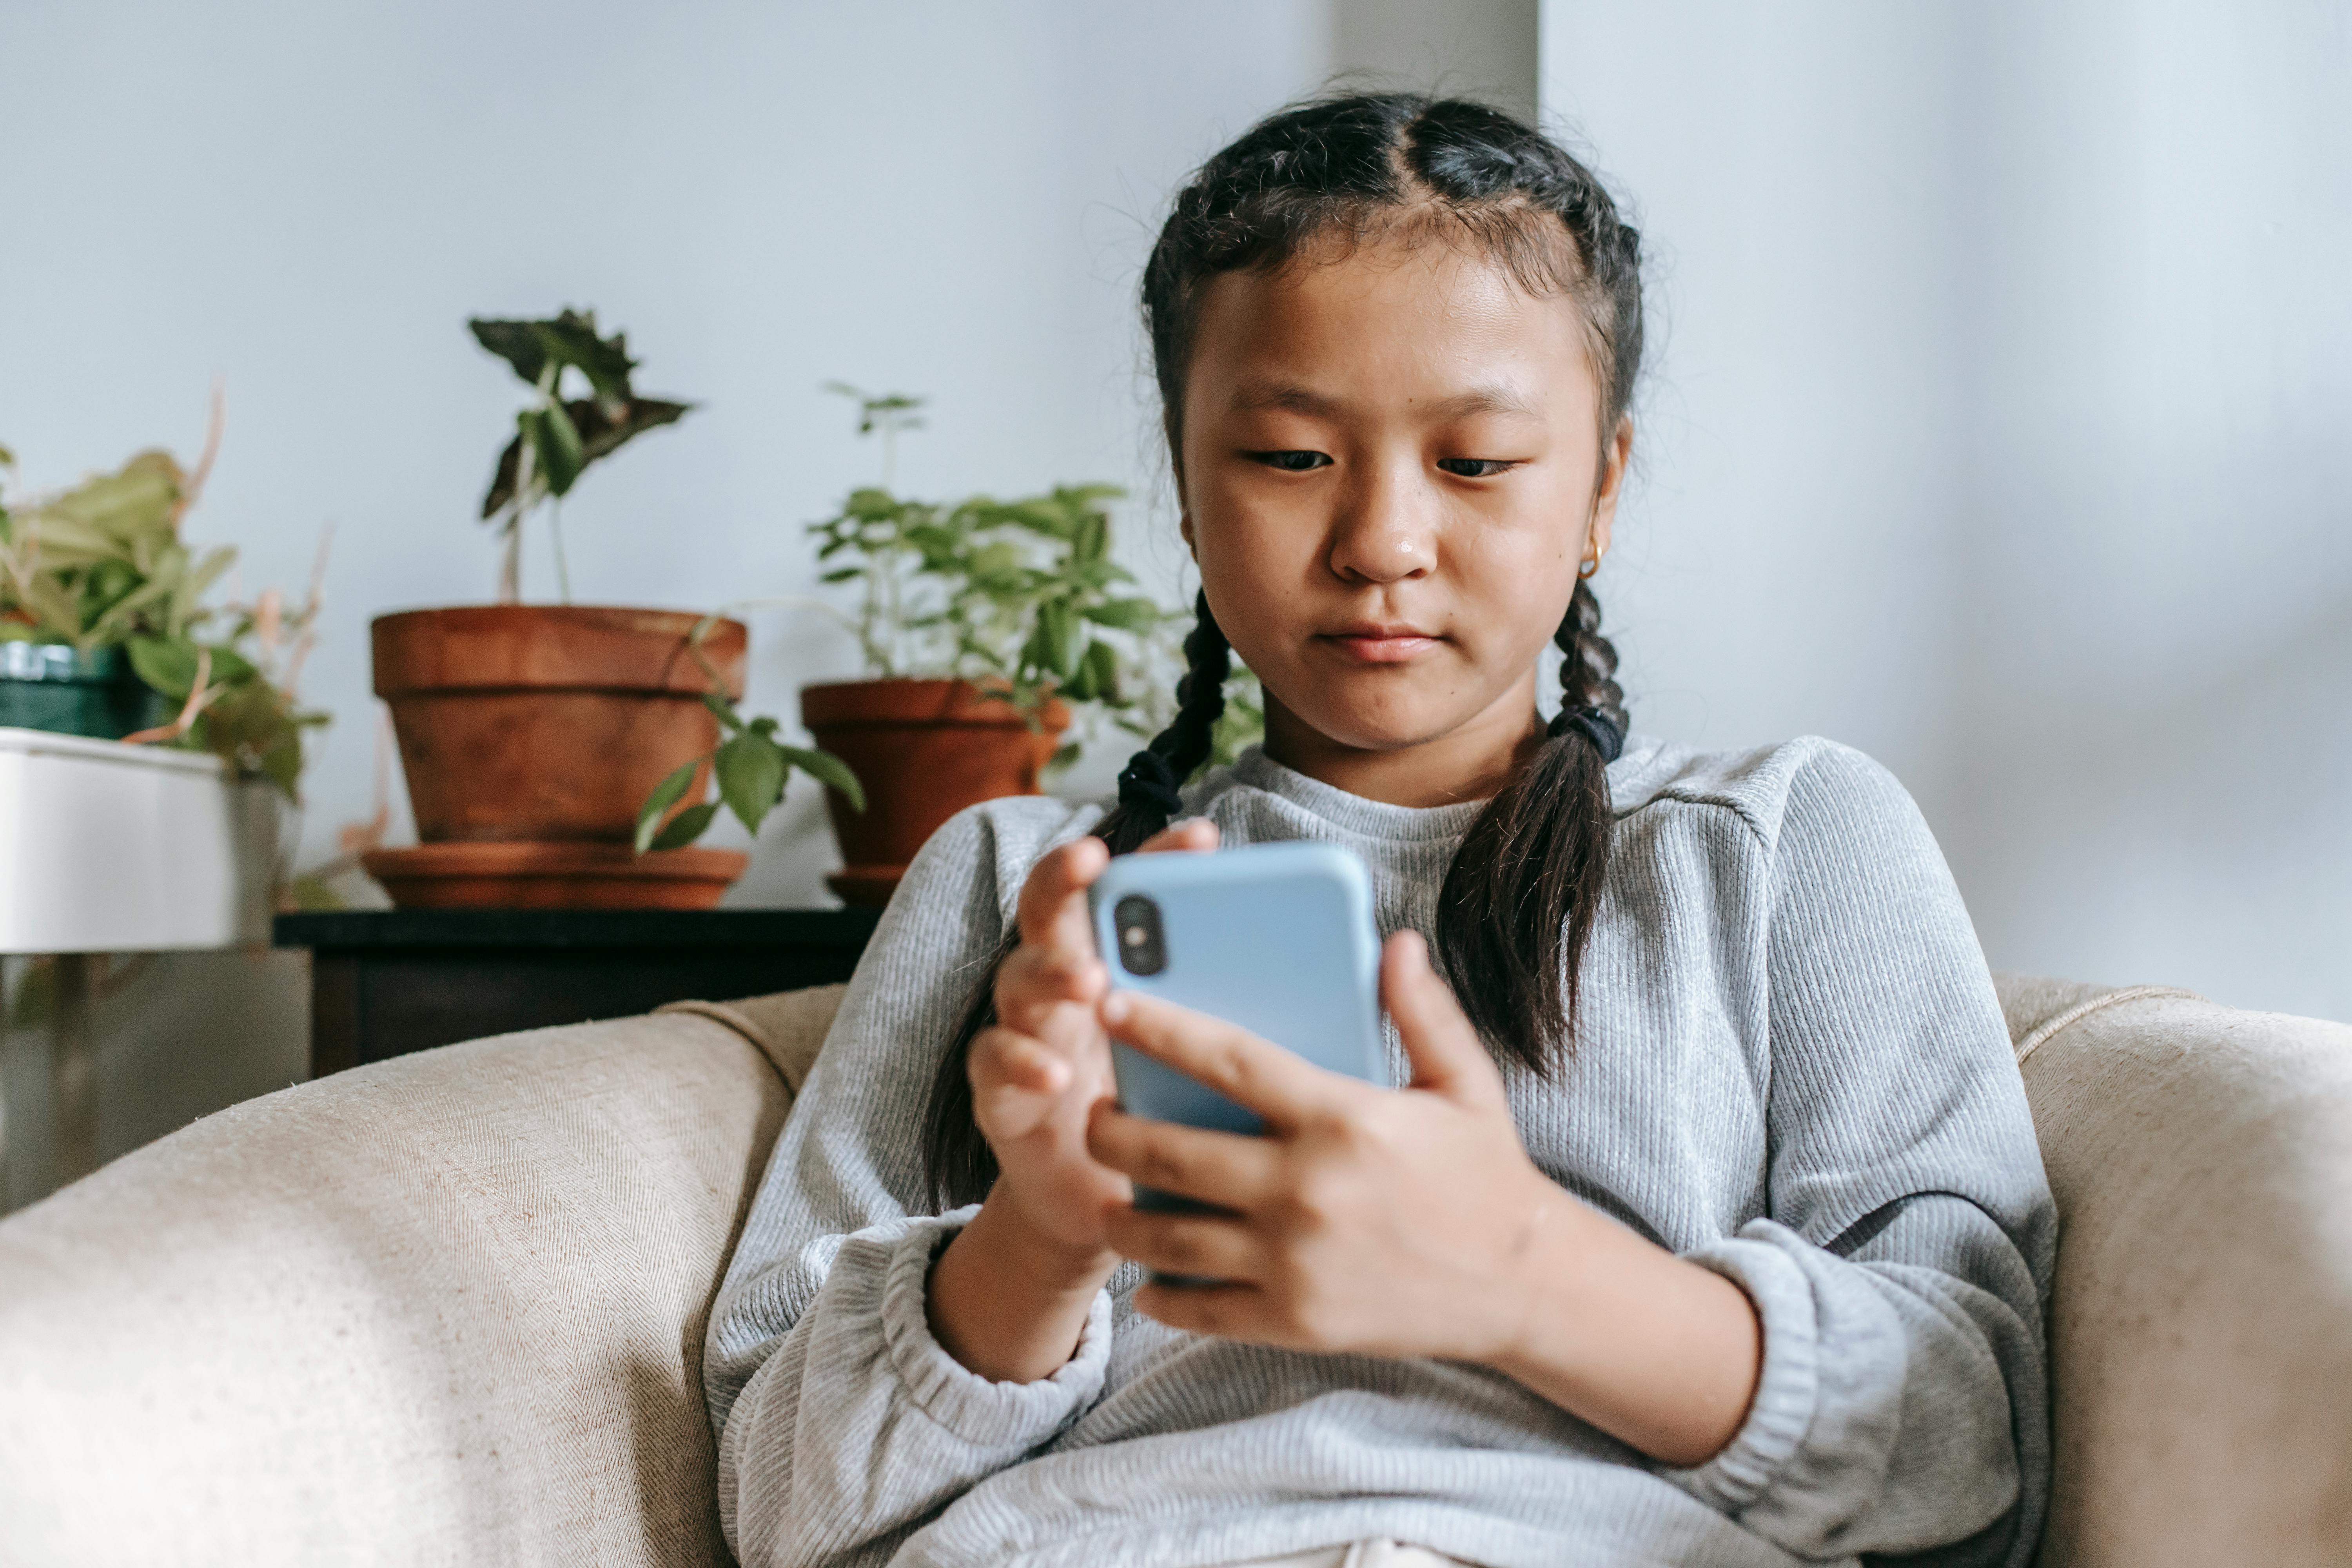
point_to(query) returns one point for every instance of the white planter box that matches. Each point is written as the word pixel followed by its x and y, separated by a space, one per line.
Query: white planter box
pixel 106 847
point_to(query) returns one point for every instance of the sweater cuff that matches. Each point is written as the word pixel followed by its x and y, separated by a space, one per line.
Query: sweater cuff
pixel 981 1411
pixel 1788 1390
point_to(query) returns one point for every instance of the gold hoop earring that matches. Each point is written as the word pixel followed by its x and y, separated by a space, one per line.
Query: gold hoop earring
pixel 1592 563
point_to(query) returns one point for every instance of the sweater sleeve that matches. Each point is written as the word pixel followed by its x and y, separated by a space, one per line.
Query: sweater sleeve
pixel 842 1426
pixel 1901 1411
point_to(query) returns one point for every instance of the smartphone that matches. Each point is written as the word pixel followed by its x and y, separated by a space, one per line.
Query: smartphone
pixel 1276 937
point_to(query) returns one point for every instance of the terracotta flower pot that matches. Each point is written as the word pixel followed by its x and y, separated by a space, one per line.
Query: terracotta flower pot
pixel 537 723
pixel 924 750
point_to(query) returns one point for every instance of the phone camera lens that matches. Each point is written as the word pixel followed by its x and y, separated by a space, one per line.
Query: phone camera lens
pixel 1140 948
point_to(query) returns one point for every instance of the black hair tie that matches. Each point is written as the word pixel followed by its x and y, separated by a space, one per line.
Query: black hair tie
pixel 1595 725
pixel 1148 780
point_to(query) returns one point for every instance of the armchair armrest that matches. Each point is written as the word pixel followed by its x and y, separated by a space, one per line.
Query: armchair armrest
pixel 2201 1330
pixel 446 1308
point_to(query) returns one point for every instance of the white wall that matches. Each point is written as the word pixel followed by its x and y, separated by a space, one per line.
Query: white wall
pixel 307 201
pixel 2003 425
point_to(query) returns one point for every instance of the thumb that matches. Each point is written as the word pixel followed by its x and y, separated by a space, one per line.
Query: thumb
pixel 1444 1050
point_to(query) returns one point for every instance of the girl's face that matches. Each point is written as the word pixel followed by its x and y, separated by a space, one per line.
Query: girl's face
pixel 1389 474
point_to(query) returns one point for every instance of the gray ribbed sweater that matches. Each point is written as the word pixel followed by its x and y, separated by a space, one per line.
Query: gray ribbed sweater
pixel 1791 1067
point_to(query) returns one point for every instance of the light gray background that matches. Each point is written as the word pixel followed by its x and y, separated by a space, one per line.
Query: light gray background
pixel 2003 427
pixel 1998 424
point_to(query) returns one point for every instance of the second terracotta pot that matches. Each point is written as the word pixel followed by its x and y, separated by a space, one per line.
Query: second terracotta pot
pixel 546 723
pixel 923 750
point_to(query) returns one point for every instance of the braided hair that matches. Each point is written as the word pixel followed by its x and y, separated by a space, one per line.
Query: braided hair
pixel 1518 901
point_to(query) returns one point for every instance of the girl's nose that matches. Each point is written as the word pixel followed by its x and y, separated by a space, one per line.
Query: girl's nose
pixel 1385 531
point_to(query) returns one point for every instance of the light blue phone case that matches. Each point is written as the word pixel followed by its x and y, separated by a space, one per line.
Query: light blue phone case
pixel 1276 937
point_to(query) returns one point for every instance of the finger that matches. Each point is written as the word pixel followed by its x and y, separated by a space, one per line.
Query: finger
pixel 1228 1312
pixel 1053 908
pixel 1226 1169
pixel 1016 1082
pixel 1279 1085
pixel 1439 1042
pixel 1199 1246
pixel 1007 1056
pixel 1194 833
pixel 1037 978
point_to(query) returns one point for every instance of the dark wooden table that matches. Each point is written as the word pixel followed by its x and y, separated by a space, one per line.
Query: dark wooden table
pixel 387 982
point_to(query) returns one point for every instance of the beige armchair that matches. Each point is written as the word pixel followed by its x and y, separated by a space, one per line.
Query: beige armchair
pixel 449 1308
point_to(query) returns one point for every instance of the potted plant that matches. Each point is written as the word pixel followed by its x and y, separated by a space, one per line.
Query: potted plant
pixel 529 733
pixel 983 625
pixel 117 836
pixel 104 630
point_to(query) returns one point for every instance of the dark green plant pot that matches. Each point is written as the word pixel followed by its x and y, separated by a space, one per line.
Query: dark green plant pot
pixel 55 686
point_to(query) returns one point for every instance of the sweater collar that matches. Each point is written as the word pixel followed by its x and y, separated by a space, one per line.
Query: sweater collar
pixel 1631 779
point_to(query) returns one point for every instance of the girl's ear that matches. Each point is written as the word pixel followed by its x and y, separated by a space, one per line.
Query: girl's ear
pixel 1184 503
pixel 1614 461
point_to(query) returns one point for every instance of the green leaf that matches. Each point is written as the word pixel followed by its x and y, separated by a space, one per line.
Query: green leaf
pixel 1125 615
pixel 502 479
pixel 840 573
pixel 570 339
pixel 566 339
pixel 554 443
pixel 725 711
pixel 665 795
pixel 1099 671
pixel 230 667
pixel 600 423
pixel 685 826
pixel 515 342
pixel 138 500
pixel 751 769
pixel 167 665
pixel 281 760
pixel 1071 637
pixel 828 769
pixel 604 430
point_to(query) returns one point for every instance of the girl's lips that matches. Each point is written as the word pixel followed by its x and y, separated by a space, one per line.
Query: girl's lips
pixel 1383 645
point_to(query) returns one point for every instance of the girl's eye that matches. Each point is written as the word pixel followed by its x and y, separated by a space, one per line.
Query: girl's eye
pixel 1290 462
pixel 1476 468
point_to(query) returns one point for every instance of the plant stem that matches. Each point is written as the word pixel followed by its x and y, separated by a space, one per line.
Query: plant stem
pixel 555 533
pixel 511 569
pixel 511 563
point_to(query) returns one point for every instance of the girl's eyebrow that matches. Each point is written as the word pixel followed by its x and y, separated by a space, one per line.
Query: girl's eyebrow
pixel 1292 397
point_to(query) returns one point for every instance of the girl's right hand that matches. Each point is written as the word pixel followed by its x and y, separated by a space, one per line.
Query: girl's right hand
pixel 1037 1075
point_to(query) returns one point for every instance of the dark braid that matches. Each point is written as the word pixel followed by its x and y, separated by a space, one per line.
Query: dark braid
pixel 1542 846
pixel 1148 797
pixel 1519 900
pixel 959 1165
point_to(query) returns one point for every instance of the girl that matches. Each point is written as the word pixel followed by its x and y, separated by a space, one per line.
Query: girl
pixel 1708 1227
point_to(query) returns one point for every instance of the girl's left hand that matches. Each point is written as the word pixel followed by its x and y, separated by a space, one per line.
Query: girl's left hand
pixel 1390 1222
